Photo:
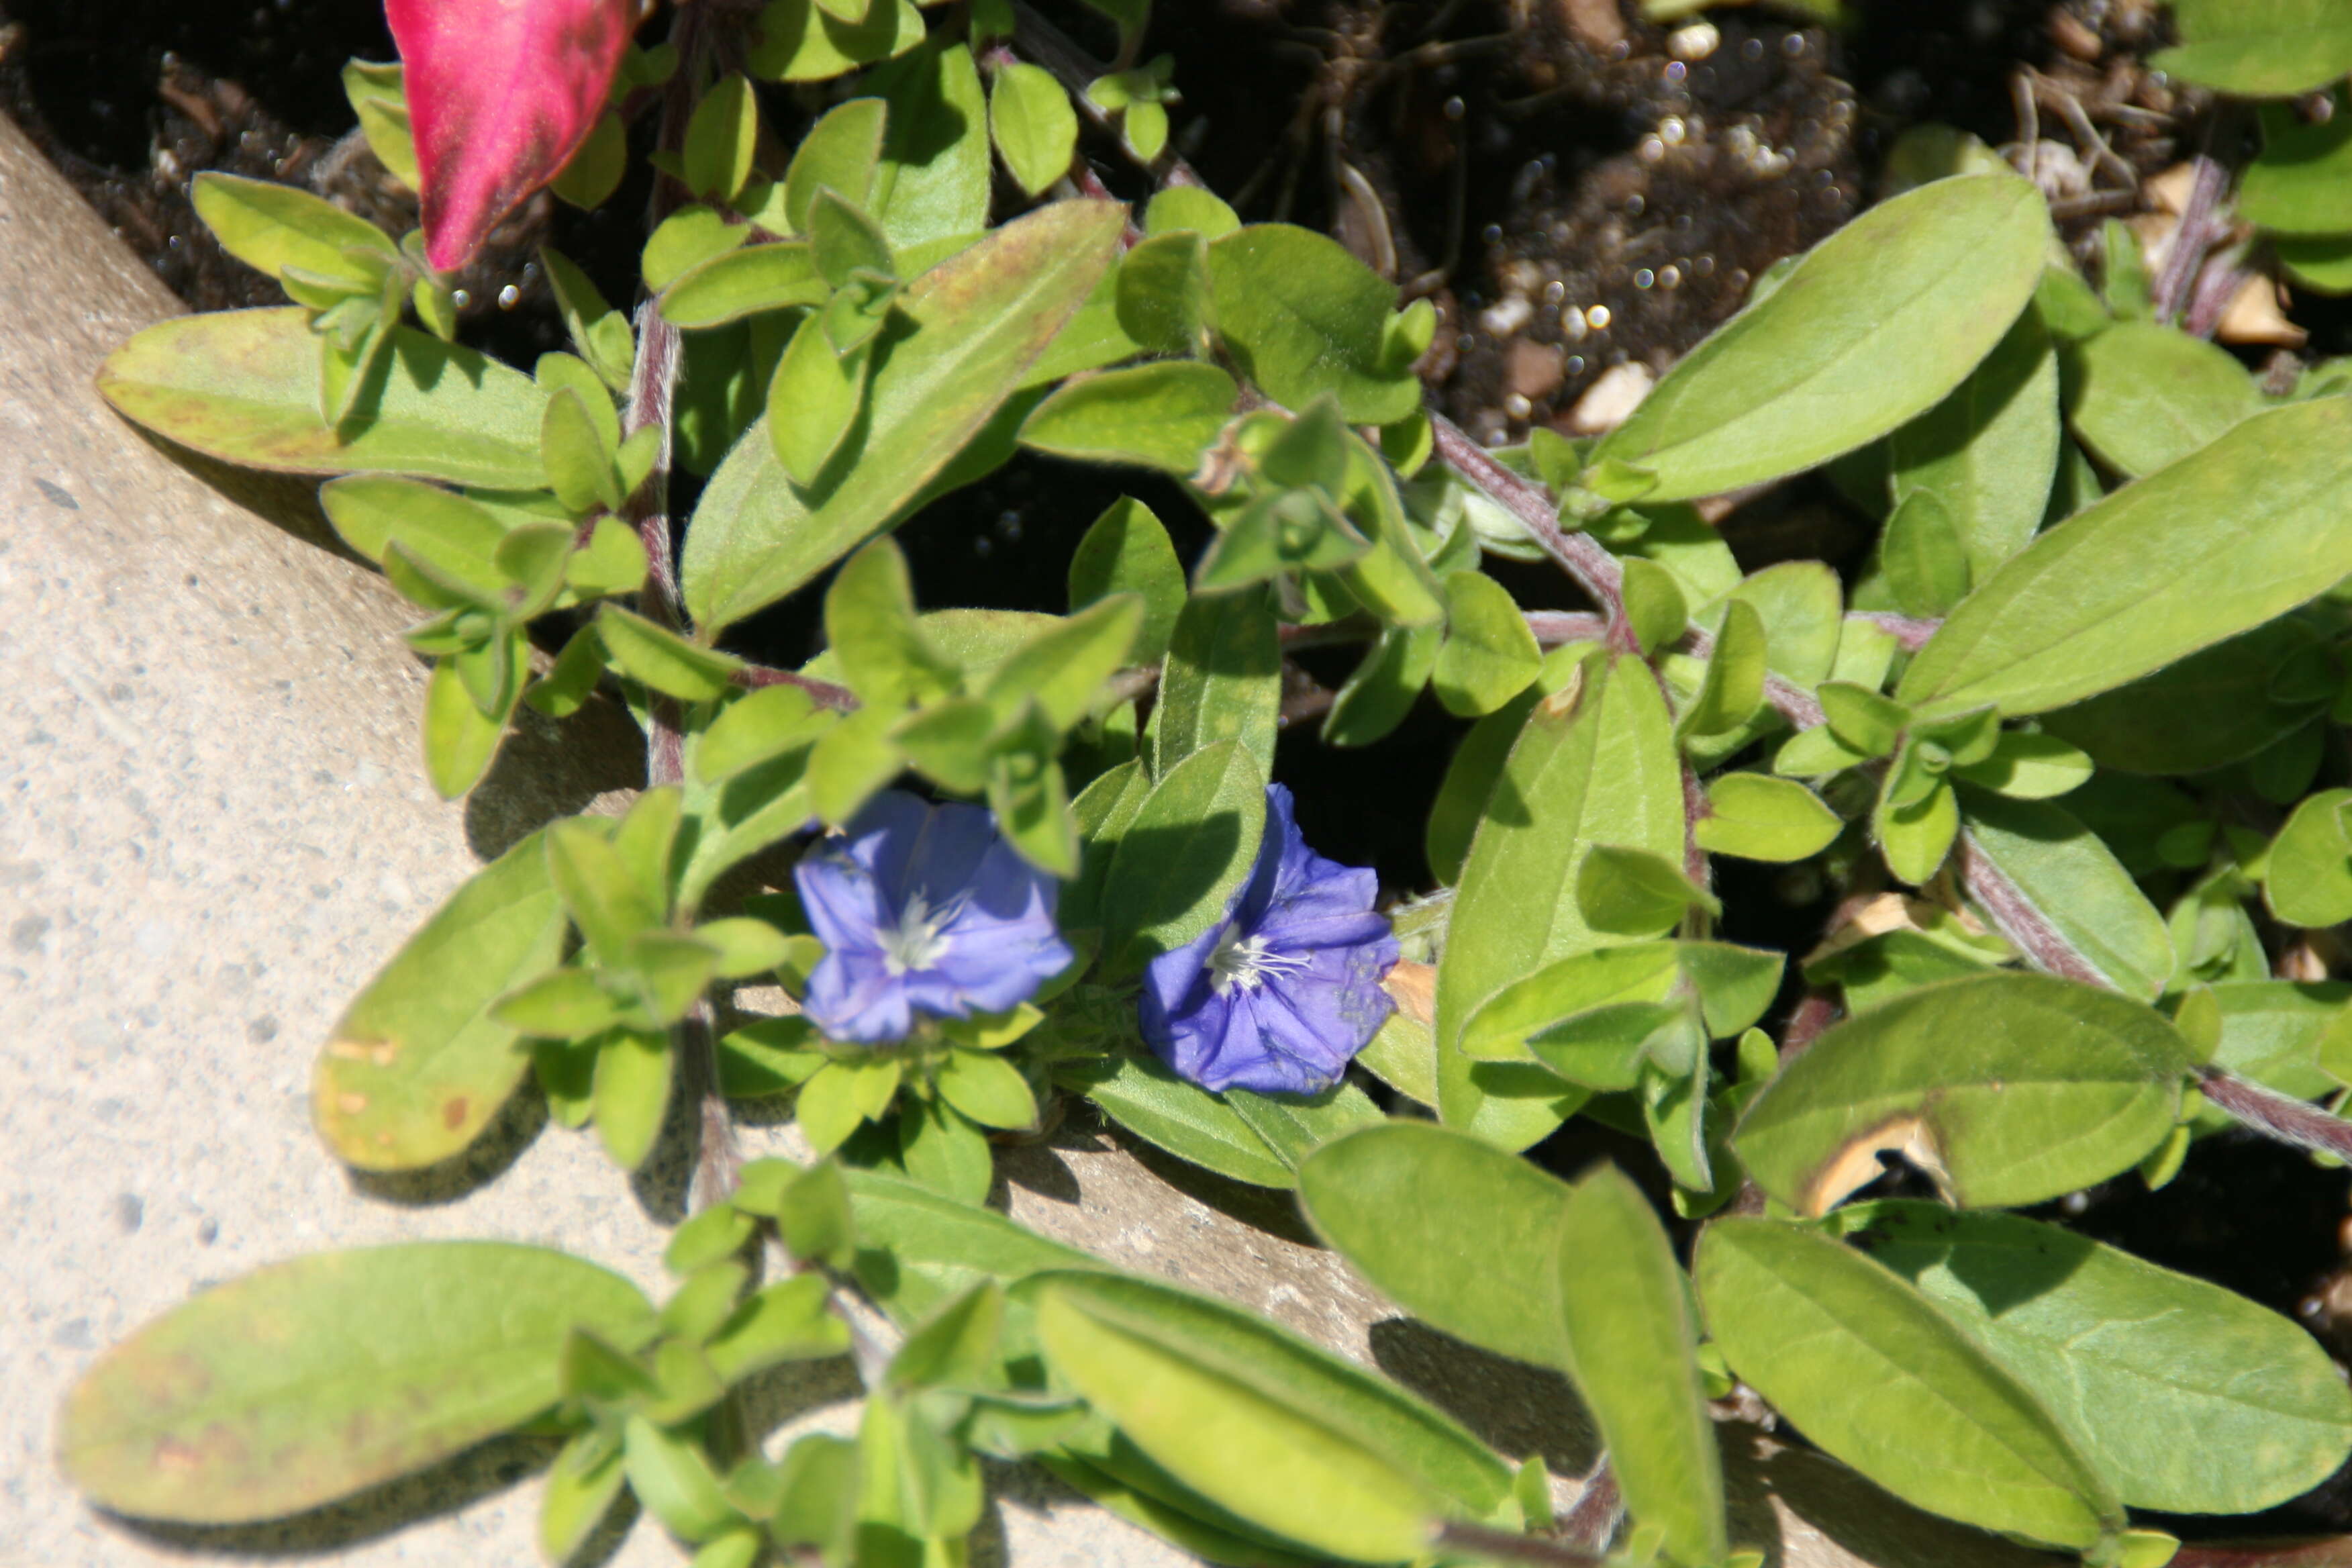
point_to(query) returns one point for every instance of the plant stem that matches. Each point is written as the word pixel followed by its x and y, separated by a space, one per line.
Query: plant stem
pixel 2275 1115
pixel 2017 917
pixel 1581 556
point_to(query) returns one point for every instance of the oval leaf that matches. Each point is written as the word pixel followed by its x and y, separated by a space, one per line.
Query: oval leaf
pixel 1451 1228
pixel 1868 1368
pixel 417 1067
pixel 2189 1398
pixel 307 1381
pixel 2233 535
pixel 1595 763
pixel 1627 1314
pixel 243 386
pixel 2050 1087
pixel 1875 327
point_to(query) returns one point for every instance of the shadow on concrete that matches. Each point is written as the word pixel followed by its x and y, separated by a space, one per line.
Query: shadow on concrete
pixel 550 768
pixel 1514 1408
pixel 498 1146
pixel 445 1487
pixel 1265 1208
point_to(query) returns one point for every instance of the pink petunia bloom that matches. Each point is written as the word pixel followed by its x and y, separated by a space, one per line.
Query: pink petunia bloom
pixel 501 93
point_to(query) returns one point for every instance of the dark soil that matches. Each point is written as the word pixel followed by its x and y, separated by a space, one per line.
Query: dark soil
pixel 1573 188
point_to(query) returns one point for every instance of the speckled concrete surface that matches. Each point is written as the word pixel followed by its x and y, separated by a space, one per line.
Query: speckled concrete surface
pixel 213 828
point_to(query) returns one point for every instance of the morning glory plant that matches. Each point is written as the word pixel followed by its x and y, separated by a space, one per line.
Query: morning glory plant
pixel 1280 994
pixel 923 909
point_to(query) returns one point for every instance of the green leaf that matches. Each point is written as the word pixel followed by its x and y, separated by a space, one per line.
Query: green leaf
pixel 1469 784
pixel 684 240
pixel 977 320
pixel 377 98
pixel 417 1067
pixel 1294 1126
pixel 1382 692
pixel 1630 1336
pixel 2259 48
pixel 745 282
pixel 565 1006
pixel 271 227
pixel 2028 767
pixel 1143 1096
pixel 1604 981
pixel 1732 690
pixel 582 1486
pixel 1191 846
pixel 2053 1086
pixel 672 1477
pixel 662 660
pixel 2145 395
pixel 1302 318
pixel 1163 300
pixel 1489 656
pixel 871 622
pixel 2230 537
pixel 1453 1230
pixel 2208 710
pixel 932 182
pixel 757 727
pixel 241 386
pixel 1925 564
pixel 1595 763
pixel 1631 893
pixel 812 401
pixel 1988 453
pixel 987 1089
pixel 1222 680
pixel 1260 1423
pixel 1654 608
pixel 2297 185
pixel 311 1380
pixel 944 1150
pixel 839 153
pixel 1757 817
pixel 2187 1397
pixel 446 531
pixel 720 138
pixel 1869 1371
pixel 2075 884
pixel 2308 879
pixel 1163 416
pixel 797 41
pixel 1876 326
pixel 917 1250
pixel 2283 1034
pixel 1031 122
pixel 1126 550
pixel 633 1070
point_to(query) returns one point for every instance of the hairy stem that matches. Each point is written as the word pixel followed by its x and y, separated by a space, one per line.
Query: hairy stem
pixel 1581 556
pixel 1500 1546
pixel 2275 1115
pixel 2017 917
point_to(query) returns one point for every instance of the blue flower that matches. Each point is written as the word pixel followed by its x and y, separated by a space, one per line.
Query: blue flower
pixel 923 909
pixel 1282 993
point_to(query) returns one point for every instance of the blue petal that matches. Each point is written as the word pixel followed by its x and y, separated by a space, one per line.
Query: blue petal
pixel 852 996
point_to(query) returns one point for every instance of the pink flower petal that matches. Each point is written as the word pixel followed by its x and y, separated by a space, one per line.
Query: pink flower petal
pixel 500 94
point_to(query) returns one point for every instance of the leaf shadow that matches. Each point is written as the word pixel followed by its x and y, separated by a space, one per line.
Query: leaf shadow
pixel 1789 1500
pixel 550 768
pixel 455 1484
pixel 1269 1209
pixel 497 1147
pixel 288 502
pixel 1514 1408
pixel 1185 861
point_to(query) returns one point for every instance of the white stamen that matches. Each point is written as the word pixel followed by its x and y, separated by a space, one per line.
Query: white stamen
pixel 1244 961
pixel 920 939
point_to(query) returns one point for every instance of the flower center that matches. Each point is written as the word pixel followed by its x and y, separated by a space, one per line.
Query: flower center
pixel 1244 961
pixel 920 938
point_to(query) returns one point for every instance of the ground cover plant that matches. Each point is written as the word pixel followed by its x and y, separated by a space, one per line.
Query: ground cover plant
pixel 2067 745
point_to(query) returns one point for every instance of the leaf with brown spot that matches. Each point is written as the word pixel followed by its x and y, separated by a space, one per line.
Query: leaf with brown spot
pixel 417 1067
pixel 307 1381
pixel 243 386
pixel 2019 1087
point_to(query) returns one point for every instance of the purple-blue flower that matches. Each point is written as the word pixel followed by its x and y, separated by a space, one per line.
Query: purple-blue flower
pixel 1282 993
pixel 923 909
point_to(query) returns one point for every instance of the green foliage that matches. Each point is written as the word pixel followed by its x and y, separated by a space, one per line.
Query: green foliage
pixel 2087 736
